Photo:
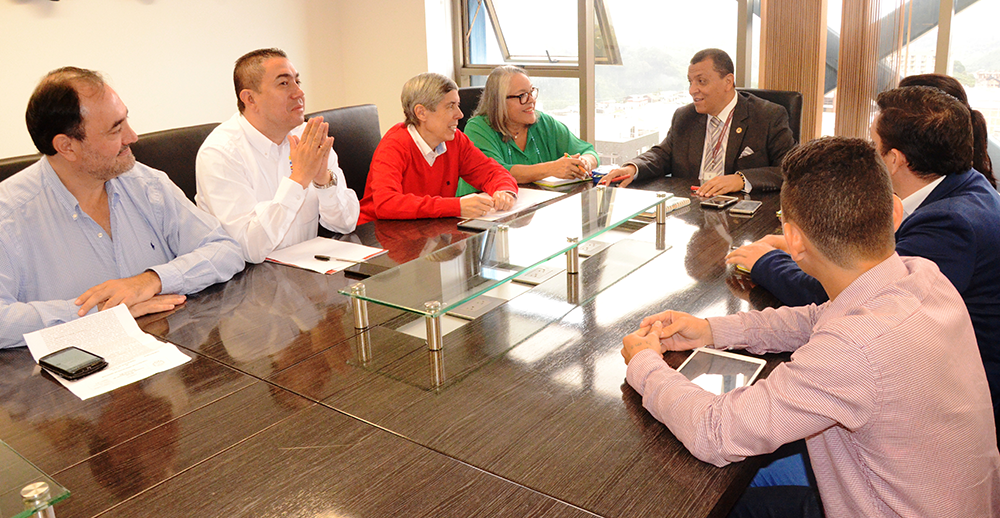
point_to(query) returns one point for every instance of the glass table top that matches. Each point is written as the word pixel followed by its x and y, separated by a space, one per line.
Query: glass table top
pixel 464 270
pixel 17 473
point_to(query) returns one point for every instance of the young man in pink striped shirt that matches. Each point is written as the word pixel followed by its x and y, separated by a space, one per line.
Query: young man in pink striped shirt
pixel 885 384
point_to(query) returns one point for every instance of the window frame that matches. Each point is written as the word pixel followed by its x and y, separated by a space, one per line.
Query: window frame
pixel 607 51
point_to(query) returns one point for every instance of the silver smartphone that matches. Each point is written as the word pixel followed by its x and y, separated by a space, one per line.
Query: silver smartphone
pixel 719 202
pixel 745 207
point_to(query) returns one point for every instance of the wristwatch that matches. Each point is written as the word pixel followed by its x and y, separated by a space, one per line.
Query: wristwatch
pixel 331 183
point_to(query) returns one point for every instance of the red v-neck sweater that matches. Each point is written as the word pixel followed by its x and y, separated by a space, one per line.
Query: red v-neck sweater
pixel 401 185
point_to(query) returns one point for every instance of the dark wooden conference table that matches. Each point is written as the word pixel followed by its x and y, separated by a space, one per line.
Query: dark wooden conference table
pixel 285 410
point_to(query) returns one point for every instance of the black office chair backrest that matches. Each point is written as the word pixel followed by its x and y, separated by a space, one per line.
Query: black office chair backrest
pixel 174 151
pixel 356 134
pixel 792 101
pixel 468 99
pixel 9 166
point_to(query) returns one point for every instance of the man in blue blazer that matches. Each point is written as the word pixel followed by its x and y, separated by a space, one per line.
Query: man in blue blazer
pixel 752 139
pixel 951 214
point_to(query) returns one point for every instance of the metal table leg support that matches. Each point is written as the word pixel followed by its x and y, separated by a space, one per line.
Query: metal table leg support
pixel 573 256
pixel 661 208
pixel 433 325
pixel 661 221
pixel 34 495
pixel 360 306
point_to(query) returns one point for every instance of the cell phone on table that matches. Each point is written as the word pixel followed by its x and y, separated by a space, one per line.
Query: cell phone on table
pixel 719 202
pixel 72 363
pixel 745 207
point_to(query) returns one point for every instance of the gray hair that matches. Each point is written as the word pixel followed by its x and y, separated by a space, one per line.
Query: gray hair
pixel 427 89
pixel 493 103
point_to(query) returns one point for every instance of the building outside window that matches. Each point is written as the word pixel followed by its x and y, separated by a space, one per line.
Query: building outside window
pixel 642 50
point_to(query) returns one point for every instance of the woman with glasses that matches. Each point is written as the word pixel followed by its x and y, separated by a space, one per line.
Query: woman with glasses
pixel 529 143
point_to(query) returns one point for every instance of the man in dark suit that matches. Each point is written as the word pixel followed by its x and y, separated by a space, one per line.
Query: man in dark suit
pixel 951 214
pixel 725 141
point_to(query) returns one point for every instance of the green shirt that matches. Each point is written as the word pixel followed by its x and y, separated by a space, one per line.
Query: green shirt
pixel 548 140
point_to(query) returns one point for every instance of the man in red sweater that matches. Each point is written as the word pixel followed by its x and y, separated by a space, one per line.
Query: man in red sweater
pixel 416 167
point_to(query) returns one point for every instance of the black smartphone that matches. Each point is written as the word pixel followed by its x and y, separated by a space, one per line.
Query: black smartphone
pixel 364 270
pixel 719 202
pixel 72 363
pixel 745 207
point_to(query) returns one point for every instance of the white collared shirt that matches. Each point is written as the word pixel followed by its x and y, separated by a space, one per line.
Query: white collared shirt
pixel 425 149
pixel 913 201
pixel 243 179
pixel 723 115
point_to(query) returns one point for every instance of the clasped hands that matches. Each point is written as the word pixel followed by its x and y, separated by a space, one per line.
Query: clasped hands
pixel 139 293
pixel 667 331
pixel 480 203
pixel 310 153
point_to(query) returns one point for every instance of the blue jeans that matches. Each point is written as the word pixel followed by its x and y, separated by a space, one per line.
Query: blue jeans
pixel 783 487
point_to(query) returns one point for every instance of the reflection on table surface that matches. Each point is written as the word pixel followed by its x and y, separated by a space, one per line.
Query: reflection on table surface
pixel 287 409
pixel 460 271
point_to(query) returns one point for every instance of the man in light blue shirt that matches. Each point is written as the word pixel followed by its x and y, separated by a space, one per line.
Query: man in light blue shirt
pixel 87 228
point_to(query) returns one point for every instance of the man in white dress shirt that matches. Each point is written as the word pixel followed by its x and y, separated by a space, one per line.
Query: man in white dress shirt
pixel 268 176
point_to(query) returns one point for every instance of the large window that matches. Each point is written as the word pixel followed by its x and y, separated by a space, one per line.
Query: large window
pixel 506 31
pixel 975 59
pixel 642 49
pixel 636 101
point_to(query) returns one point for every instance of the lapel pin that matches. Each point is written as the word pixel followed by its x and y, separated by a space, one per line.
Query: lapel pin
pixel 739 130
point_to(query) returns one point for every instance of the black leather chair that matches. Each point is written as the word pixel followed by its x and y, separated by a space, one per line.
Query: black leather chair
pixel 9 166
pixel 173 151
pixel 792 101
pixel 356 134
pixel 468 99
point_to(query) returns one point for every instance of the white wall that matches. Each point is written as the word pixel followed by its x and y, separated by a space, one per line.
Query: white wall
pixel 171 61
pixel 383 43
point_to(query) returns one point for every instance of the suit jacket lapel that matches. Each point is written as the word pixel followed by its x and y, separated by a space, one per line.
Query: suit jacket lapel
pixel 737 130
pixel 697 142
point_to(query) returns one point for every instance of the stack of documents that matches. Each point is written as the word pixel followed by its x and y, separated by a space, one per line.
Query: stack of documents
pixel 324 255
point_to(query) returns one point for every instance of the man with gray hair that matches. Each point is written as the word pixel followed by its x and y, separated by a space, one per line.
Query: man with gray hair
pixel 87 228
pixel 414 173
pixel 268 176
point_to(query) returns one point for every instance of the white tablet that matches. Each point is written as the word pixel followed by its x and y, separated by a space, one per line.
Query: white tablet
pixel 720 371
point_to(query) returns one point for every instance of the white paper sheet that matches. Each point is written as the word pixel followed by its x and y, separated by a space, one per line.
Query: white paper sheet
pixel 132 355
pixel 525 198
pixel 341 253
